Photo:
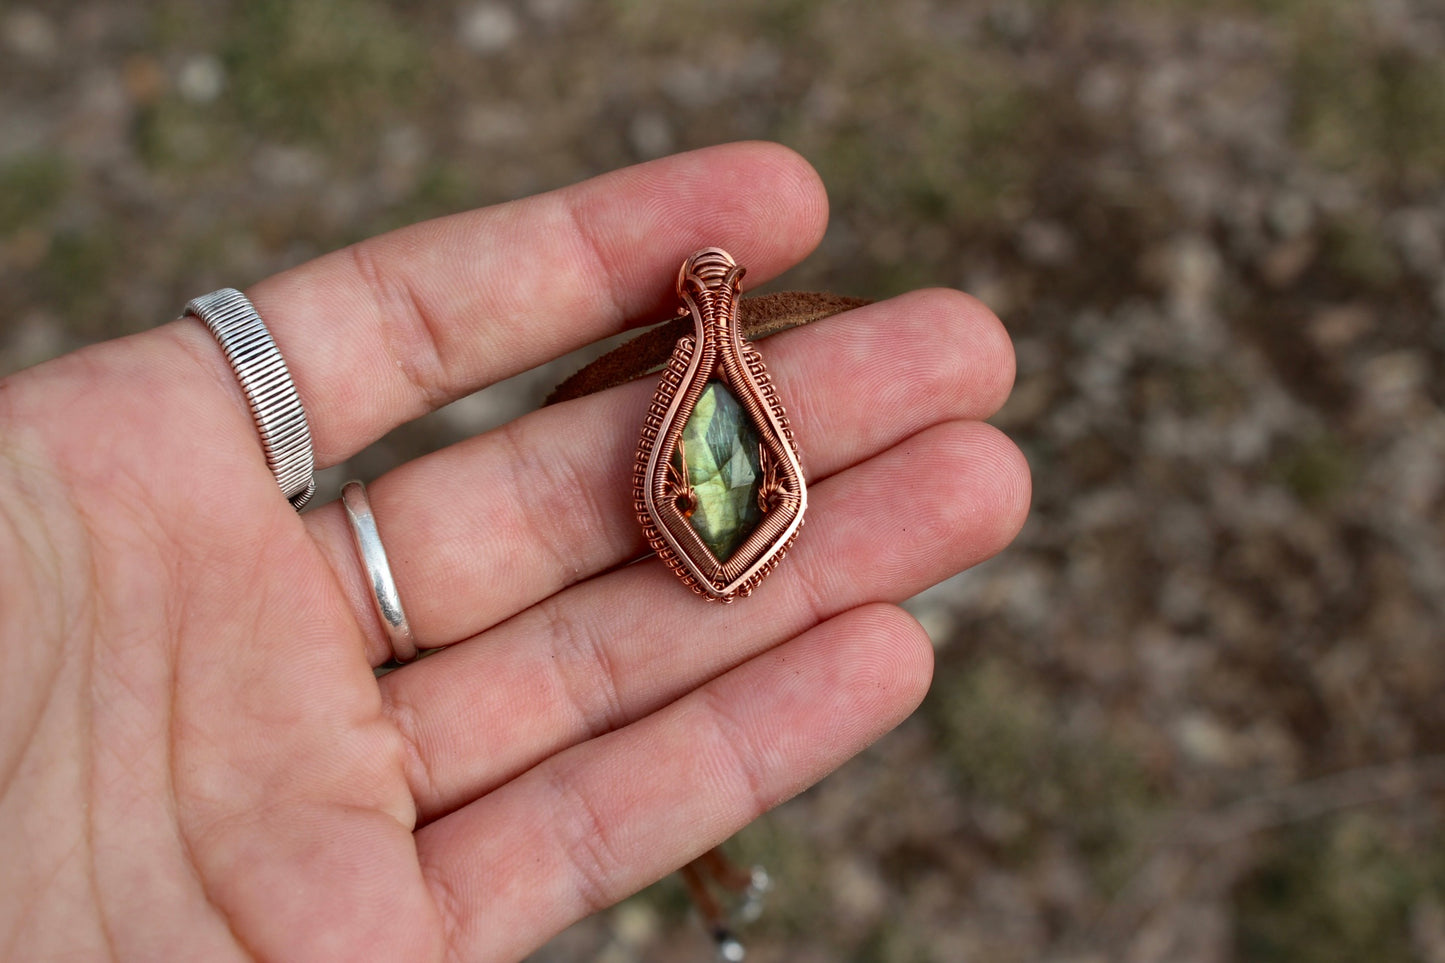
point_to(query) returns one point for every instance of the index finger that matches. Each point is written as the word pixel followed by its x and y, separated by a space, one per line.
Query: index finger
pixel 388 329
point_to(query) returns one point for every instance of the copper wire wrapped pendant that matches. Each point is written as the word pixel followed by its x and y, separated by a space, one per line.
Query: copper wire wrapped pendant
pixel 717 483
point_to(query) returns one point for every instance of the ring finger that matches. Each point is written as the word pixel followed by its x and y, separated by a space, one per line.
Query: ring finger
pixel 613 649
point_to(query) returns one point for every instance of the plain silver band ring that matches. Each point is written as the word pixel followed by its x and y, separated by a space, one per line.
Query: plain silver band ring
pixel 269 390
pixel 378 570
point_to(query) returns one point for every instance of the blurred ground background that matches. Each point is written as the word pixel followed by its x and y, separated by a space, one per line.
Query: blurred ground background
pixel 1195 714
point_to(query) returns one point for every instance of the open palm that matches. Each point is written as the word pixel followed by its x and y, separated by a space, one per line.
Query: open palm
pixel 197 760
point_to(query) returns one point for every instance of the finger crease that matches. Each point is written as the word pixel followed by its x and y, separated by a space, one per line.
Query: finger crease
pixel 420 776
pixel 534 472
pixel 732 737
pixel 812 594
pixel 586 847
pixel 449 907
pixel 609 287
pixel 598 673
pixel 398 302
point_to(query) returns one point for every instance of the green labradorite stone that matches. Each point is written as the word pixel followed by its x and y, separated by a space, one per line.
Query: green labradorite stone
pixel 722 467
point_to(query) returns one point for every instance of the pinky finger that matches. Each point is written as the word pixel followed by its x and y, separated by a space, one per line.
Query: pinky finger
pixel 603 819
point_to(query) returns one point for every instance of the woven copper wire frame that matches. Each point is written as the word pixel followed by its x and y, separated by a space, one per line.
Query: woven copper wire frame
pixel 709 286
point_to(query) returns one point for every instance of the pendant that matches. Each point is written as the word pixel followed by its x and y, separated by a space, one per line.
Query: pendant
pixel 717 484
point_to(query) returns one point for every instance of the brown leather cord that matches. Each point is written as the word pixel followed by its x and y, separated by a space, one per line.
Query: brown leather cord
pixel 758 317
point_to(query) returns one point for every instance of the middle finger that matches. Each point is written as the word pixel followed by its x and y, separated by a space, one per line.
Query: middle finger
pixel 481 530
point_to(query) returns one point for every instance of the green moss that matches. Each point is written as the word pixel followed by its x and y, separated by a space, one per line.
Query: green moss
pixel 443 188
pixel 961 151
pixel 1364 107
pixel 1282 9
pixel 1335 893
pixel 674 24
pixel 796 866
pixel 783 20
pixel 75 273
pixel 1317 469
pixel 1203 389
pixel 1412 106
pixel 177 137
pixel 319 70
pixel 30 188
pixel 1356 252
pixel 1008 745
pixel 891 943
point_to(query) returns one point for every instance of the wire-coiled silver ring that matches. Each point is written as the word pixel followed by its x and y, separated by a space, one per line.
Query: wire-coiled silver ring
pixel 275 405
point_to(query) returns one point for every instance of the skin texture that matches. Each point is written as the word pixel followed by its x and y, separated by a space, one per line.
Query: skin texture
pixel 195 757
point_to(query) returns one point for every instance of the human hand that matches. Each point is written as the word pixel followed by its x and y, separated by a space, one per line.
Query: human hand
pixel 198 761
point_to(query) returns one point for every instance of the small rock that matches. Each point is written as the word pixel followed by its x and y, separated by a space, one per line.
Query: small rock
pixel 1194 269
pixel 1046 243
pixel 201 79
pixel 403 146
pixel 938 621
pixel 1427 930
pixel 1417 234
pixel 487 28
pixel 552 12
pixel 1341 326
pixel 635 923
pixel 1203 739
pixel 650 135
pixel 1287 262
pixel 1391 380
pixel 1291 215
pixel 993 289
pixel 282 166
pixel 859 893
pixel 493 124
pixel 692 85
pixel 30 35
pixel 761 63
pixel 1101 89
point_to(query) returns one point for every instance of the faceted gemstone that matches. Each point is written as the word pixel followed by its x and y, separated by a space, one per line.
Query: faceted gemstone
pixel 722 466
